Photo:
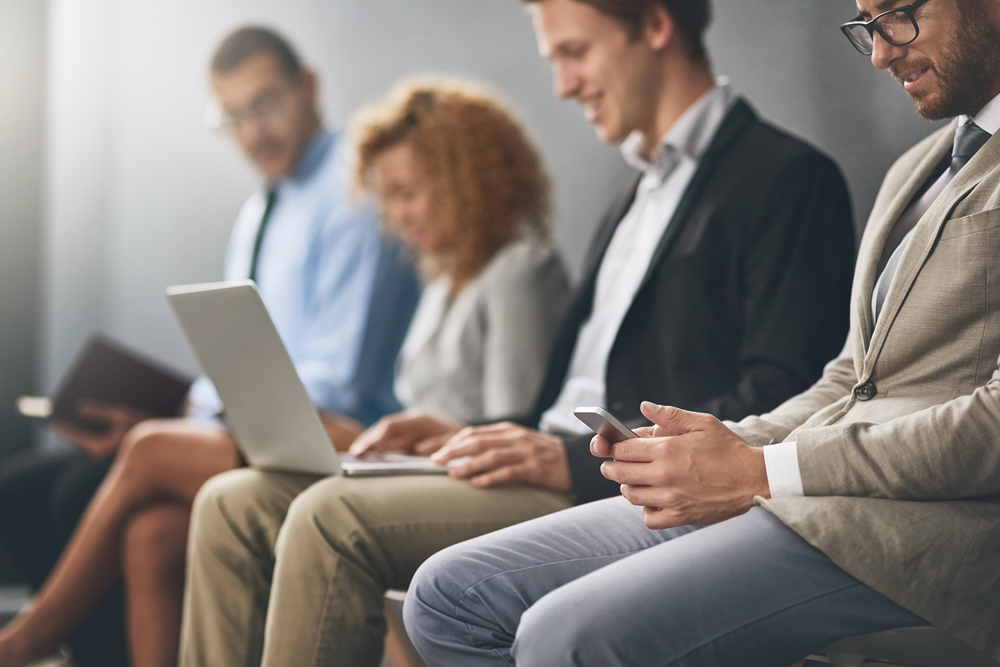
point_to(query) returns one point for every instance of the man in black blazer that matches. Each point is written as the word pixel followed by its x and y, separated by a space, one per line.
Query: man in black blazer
pixel 744 299
pixel 718 282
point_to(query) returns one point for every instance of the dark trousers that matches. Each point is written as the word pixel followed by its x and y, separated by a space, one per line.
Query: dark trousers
pixel 42 496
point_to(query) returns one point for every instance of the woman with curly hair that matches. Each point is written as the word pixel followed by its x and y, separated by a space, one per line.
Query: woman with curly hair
pixel 457 176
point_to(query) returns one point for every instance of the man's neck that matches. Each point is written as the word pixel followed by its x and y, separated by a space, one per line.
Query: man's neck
pixel 684 84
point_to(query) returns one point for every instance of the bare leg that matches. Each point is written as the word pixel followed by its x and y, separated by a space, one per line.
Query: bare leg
pixel 160 461
pixel 153 569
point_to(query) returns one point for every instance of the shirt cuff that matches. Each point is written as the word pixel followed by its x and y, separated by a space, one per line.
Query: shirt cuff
pixel 781 461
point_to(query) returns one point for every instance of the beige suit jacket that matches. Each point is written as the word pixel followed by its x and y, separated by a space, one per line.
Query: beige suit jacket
pixel 902 483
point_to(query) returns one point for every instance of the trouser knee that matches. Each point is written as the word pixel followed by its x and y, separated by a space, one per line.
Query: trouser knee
pixel 319 517
pixel 224 505
pixel 433 590
pixel 562 630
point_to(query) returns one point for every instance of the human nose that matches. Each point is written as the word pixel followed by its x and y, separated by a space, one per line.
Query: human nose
pixel 248 128
pixel 884 53
pixel 566 82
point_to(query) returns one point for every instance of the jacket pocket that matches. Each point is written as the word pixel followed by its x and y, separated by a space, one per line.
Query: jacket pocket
pixel 971 224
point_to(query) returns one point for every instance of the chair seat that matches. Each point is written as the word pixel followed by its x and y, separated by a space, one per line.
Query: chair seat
pixel 914 647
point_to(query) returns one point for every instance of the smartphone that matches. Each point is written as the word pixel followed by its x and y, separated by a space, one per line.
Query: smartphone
pixel 604 424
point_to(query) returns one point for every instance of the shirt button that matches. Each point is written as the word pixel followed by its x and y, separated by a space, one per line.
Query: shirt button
pixel 866 392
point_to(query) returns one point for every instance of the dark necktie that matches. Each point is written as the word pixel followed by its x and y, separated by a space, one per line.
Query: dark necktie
pixel 969 138
pixel 272 197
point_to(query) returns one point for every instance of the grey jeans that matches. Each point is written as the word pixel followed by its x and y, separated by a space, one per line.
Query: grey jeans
pixel 593 586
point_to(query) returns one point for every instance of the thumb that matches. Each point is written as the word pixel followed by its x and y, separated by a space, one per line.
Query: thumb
pixel 671 421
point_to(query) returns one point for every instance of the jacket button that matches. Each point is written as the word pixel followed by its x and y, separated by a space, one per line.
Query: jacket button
pixel 616 406
pixel 866 392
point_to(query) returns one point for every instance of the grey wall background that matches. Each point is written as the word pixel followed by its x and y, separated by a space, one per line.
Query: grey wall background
pixel 139 195
pixel 22 82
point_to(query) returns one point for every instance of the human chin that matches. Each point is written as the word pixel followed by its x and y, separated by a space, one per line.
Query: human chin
pixel 609 131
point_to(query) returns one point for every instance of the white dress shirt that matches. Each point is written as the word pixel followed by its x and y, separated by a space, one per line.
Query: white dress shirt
pixel 666 175
pixel 782 460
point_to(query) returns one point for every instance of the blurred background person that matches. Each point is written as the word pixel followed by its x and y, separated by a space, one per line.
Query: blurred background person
pixel 341 299
pixel 458 176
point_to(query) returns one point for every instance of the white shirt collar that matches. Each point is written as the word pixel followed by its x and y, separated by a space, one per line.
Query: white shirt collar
pixel 988 118
pixel 690 136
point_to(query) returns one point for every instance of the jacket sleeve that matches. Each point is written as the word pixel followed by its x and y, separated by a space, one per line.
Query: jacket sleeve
pixel 522 311
pixel 837 382
pixel 948 452
pixel 797 273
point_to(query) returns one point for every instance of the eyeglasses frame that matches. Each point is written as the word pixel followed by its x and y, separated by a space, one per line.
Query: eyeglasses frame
pixel 872 26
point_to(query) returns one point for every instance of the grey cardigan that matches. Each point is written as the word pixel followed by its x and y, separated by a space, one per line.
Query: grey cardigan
pixel 482 354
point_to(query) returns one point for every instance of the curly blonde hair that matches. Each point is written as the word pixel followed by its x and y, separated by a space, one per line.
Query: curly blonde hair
pixel 488 180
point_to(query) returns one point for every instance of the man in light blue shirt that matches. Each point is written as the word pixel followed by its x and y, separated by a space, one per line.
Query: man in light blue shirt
pixel 317 267
pixel 341 298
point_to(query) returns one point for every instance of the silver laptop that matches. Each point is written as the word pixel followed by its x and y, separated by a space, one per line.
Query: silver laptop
pixel 267 407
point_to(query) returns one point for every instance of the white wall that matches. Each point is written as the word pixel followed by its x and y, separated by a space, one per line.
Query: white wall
pixel 22 82
pixel 141 195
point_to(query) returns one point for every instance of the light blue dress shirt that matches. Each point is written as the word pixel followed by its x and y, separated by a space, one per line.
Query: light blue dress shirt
pixel 340 295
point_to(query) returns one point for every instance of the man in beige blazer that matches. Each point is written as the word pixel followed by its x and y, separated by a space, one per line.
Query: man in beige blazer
pixel 880 506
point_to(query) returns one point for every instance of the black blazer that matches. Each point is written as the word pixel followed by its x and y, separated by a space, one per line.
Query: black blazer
pixel 746 297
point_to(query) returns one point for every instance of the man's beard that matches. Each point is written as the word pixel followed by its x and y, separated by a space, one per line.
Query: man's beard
pixel 968 68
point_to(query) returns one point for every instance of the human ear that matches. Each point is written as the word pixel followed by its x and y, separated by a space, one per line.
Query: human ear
pixel 658 26
pixel 310 84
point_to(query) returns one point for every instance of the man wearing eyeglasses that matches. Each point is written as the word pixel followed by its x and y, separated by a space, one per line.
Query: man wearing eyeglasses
pixel 340 297
pixel 876 509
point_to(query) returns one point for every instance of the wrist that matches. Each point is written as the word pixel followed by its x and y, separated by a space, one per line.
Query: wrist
pixel 756 474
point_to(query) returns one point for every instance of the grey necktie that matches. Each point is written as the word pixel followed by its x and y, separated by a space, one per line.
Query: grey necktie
pixel 969 138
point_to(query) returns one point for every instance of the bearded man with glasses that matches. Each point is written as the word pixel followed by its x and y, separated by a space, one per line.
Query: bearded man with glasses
pixel 866 503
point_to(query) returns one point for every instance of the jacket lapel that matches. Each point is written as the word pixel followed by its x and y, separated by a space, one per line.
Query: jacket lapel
pixel 924 237
pixel 735 122
pixel 612 219
pixel 920 171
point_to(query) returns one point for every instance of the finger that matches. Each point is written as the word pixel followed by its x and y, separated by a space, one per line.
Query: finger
pixel 645 496
pixel 645 431
pixel 368 441
pixel 658 518
pixel 492 428
pixel 673 420
pixel 68 431
pixel 428 446
pixel 489 460
pixel 636 450
pixel 112 412
pixel 600 447
pixel 470 444
pixel 630 473
pixel 504 476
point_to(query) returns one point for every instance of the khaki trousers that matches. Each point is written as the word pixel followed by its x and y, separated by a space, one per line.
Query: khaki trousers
pixel 287 570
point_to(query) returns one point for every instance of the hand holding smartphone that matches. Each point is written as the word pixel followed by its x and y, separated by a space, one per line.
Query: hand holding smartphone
pixel 604 424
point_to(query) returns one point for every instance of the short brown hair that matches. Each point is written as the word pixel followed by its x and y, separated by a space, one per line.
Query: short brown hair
pixel 691 16
pixel 249 41
pixel 489 182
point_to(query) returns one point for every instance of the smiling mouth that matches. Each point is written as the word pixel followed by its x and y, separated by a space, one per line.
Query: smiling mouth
pixel 591 107
pixel 911 80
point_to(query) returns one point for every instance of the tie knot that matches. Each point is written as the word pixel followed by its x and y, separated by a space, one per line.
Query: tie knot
pixel 969 138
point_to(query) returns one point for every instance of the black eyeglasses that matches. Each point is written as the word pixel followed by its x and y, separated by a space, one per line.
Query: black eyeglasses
pixel 897 26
